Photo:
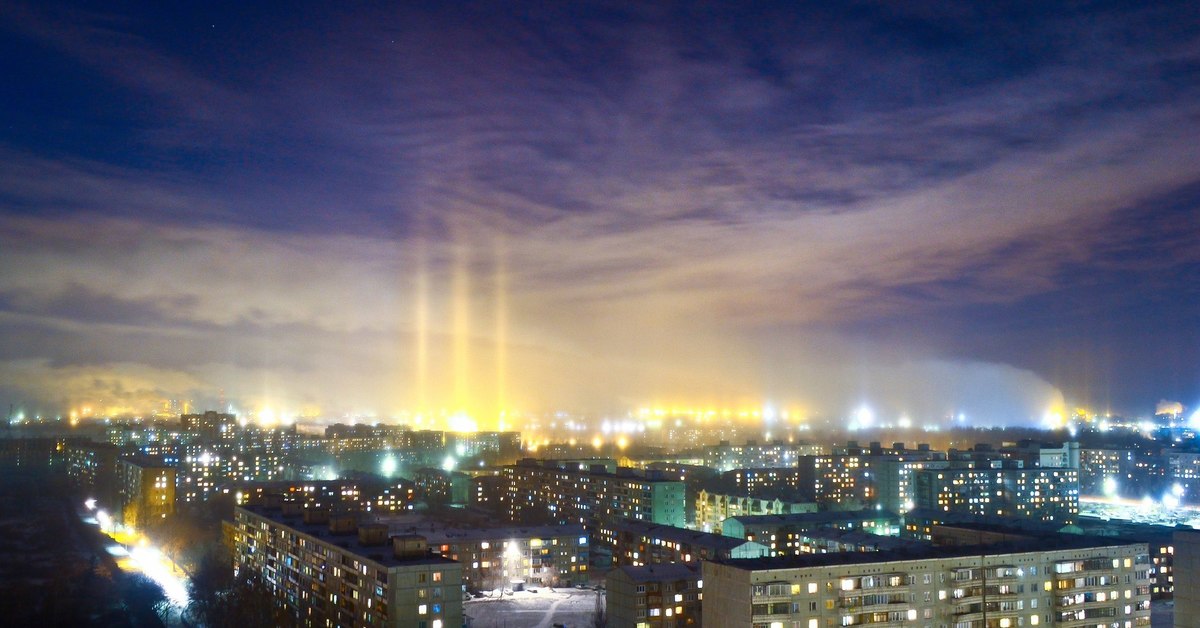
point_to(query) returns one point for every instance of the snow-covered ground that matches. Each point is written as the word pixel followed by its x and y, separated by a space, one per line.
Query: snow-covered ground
pixel 525 609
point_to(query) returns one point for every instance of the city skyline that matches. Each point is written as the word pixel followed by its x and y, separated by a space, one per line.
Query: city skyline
pixel 929 210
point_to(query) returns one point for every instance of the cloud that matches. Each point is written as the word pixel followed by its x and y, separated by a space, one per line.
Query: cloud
pixel 667 197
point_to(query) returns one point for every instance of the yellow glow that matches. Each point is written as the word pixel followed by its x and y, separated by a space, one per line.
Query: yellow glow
pixel 462 423
pixel 462 328
pixel 422 316
pixel 501 328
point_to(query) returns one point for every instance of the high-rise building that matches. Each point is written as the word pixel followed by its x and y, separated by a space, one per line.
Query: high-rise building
pixel 643 543
pixel 442 486
pixel 1004 489
pixel 494 557
pixel 330 570
pixel 787 534
pixel 715 506
pixel 654 596
pixel 1187 577
pixel 210 425
pixel 563 493
pixel 147 490
pixel 1067 581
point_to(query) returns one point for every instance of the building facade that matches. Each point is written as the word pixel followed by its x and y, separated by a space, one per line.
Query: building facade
pixel 147 490
pixel 1048 495
pixel 495 557
pixel 330 571
pixel 643 543
pixel 654 596
pixel 441 486
pixel 714 507
pixel 564 494
pixel 1054 582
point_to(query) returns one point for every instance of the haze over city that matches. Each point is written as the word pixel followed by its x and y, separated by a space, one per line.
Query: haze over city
pixel 600 314
pixel 326 210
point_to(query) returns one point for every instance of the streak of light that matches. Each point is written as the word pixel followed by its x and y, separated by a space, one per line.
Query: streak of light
pixel 501 327
pixel 151 562
pixel 422 319
pixel 462 327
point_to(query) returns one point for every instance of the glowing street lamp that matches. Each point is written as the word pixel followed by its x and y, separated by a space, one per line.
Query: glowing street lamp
pixel 106 522
pixel 388 466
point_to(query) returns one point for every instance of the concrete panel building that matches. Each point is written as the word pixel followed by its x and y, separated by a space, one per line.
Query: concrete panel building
pixel 654 596
pixel 332 571
pixel 147 490
pixel 493 557
pixel 553 492
pixel 1187 578
pixel 713 506
pixel 1067 581
pixel 642 543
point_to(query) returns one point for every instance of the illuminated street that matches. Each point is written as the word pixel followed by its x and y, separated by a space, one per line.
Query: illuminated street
pixel 134 554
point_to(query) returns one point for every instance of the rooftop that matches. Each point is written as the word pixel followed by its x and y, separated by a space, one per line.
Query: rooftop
pixel 1039 544
pixel 436 532
pixel 667 571
pixel 679 535
pixel 828 516
pixel 990 523
pixel 864 539
pixel 382 554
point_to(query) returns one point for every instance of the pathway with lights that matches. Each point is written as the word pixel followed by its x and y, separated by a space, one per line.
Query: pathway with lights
pixel 132 552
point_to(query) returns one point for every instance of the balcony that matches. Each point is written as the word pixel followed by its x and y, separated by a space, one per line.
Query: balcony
pixel 903 588
pixel 1081 623
pixel 880 607
pixel 992 617
pixel 977 596
pixel 880 587
pixel 1109 583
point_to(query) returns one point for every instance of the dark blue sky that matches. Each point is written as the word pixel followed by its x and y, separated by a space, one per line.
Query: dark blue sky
pixel 927 207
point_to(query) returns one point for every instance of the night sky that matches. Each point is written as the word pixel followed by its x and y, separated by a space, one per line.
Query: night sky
pixel 978 208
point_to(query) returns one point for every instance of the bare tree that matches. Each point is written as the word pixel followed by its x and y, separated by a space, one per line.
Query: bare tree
pixel 600 615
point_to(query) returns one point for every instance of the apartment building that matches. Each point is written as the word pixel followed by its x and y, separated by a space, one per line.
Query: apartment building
pixel 1067 581
pixel 493 557
pixel 654 596
pixel 643 543
pixel 147 490
pixel 713 506
pixel 789 534
pixel 552 492
pixel 331 571
pixel 1005 489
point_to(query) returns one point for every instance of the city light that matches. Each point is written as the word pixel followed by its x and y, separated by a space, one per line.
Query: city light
pixel 388 466
pixel 151 562
pixel 864 418
pixel 106 521
pixel 880 315
pixel 462 423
